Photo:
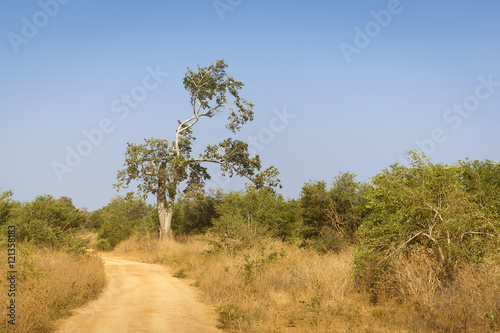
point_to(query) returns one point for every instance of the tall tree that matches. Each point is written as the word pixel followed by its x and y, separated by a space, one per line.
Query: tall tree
pixel 162 168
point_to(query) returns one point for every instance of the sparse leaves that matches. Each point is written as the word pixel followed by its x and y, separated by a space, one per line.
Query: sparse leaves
pixel 212 90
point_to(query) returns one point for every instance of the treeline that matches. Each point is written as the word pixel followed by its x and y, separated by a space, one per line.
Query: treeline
pixel 43 222
pixel 322 218
pixel 448 212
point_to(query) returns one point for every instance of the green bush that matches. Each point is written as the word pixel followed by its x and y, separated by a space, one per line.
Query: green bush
pixel 332 216
pixel 47 221
pixel 195 215
pixel 6 206
pixel 103 244
pixel 233 317
pixel 447 211
pixel 121 218
pixel 254 214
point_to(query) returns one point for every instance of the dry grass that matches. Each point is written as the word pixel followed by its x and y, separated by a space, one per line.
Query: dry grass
pixel 272 287
pixel 49 285
pixel 471 303
pixel 277 287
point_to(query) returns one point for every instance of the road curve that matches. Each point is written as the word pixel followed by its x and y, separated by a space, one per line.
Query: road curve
pixel 141 297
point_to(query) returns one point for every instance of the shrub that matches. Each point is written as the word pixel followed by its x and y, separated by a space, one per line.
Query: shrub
pixel 255 214
pixel 195 215
pixel 47 221
pixel 6 206
pixel 120 219
pixel 232 317
pixel 424 208
pixel 332 216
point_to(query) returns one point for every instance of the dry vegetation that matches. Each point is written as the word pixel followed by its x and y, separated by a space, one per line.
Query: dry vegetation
pixel 49 285
pixel 277 287
pixel 471 303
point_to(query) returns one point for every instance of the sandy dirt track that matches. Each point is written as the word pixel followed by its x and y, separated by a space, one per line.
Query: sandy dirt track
pixel 141 297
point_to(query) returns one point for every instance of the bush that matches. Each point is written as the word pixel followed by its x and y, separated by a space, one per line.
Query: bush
pixel 122 217
pixel 426 208
pixel 232 317
pixel 6 206
pixel 326 240
pixel 332 216
pixel 195 215
pixel 47 221
pixel 255 214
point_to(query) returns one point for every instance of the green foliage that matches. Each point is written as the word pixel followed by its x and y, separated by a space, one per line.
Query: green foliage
pixel 121 218
pixel 195 215
pixel 148 227
pixel 313 304
pixel 493 321
pixel 180 274
pixel 94 221
pixel 447 211
pixel 481 179
pixel 6 206
pixel 253 214
pixel 209 88
pixel 146 163
pixel 47 221
pixel 332 216
pixel 104 244
pixel 326 240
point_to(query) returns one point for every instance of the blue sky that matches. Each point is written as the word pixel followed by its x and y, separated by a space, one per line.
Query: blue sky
pixel 338 85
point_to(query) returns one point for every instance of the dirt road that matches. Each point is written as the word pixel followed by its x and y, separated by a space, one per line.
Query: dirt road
pixel 141 298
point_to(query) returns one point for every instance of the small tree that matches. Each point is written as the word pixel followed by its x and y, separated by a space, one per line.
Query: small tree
pixel 120 219
pixel 332 216
pixel 161 168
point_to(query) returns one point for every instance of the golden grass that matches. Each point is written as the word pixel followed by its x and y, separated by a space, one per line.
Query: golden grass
pixel 277 287
pixel 271 287
pixel 471 303
pixel 49 285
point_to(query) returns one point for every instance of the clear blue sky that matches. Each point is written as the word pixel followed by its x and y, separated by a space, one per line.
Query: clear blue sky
pixel 363 81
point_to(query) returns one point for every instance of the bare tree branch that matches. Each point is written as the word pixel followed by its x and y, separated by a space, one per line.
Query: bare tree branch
pixel 402 245
pixel 475 233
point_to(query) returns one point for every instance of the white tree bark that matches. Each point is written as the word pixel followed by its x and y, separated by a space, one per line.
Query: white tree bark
pixel 165 214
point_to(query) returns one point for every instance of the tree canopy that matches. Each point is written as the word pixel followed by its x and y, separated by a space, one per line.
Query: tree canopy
pixel 161 168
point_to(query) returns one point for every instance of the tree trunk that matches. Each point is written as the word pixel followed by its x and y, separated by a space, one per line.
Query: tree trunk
pixel 162 214
pixel 165 213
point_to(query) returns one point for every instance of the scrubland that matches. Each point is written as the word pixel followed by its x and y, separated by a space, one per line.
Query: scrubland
pixel 416 249
pixel 277 287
